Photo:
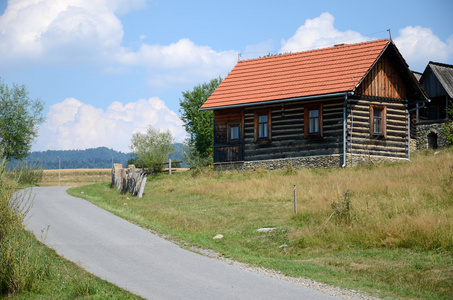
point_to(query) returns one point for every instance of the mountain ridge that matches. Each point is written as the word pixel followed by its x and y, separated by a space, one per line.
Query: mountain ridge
pixel 91 158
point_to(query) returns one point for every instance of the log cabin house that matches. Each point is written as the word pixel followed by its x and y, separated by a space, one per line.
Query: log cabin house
pixel 437 81
pixel 330 107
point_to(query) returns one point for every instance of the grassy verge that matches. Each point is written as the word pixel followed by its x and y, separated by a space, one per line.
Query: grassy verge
pixel 62 279
pixel 385 229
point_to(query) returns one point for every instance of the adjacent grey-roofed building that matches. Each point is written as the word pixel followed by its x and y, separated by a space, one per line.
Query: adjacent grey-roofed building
pixel 437 81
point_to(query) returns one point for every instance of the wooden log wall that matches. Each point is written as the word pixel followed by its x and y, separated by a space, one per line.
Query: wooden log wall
pixel 432 85
pixel 224 149
pixel 383 81
pixel 287 131
pixel 287 128
pixel 395 144
pixel 221 120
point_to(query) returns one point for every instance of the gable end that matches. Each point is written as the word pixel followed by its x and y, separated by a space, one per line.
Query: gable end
pixel 383 81
pixel 391 78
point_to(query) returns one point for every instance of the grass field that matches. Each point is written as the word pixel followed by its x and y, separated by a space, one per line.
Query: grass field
pixel 385 229
pixel 75 177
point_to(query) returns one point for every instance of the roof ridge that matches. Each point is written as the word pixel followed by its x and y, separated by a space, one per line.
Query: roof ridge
pixel 440 64
pixel 323 71
pixel 336 46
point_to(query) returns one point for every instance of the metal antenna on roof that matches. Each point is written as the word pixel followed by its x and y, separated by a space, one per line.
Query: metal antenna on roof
pixel 390 34
pixel 239 57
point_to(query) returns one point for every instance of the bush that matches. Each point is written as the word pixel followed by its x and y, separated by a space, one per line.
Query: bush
pixel 152 148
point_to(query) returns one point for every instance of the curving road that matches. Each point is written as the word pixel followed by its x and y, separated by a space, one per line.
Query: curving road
pixel 141 262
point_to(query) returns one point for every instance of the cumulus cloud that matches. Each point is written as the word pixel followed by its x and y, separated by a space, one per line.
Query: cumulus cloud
pixel 73 124
pixel 419 45
pixel 182 61
pixel 90 32
pixel 318 33
pixel 49 30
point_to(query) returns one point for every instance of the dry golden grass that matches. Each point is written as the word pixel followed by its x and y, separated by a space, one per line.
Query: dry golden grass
pixel 398 239
pixel 75 177
pixel 402 204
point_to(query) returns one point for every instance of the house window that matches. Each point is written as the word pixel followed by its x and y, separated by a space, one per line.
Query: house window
pixel 263 125
pixel 313 121
pixel 378 121
pixel 234 133
pixel 263 131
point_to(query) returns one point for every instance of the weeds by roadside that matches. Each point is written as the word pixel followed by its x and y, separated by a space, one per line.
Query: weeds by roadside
pixel 27 174
pixel 20 265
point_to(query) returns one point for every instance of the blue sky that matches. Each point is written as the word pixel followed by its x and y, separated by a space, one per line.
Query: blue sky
pixel 108 68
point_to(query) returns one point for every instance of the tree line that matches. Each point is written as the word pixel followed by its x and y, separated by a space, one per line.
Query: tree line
pixel 94 158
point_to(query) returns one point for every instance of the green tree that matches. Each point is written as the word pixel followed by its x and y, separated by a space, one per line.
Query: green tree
pixel 152 148
pixel 19 120
pixel 199 124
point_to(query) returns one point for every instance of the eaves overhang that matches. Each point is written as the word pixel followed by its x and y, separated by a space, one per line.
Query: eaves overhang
pixel 287 100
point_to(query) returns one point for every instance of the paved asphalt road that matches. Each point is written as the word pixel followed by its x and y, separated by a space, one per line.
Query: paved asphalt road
pixel 141 262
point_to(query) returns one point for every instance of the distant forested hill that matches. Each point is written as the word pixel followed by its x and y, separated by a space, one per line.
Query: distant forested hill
pixel 95 158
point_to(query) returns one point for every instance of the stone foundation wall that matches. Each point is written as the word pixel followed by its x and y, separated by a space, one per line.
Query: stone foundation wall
pixel 423 130
pixel 413 145
pixel 369 159
pixel 328 161
pixel 229 166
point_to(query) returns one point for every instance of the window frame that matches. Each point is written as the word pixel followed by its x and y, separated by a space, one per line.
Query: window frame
pixel 307 122
pixel 230 139
pixel 259 113
pixel 383 109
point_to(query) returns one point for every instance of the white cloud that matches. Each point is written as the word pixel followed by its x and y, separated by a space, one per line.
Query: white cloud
pixel 319 33
pixel 182 61
pixel 419 45
pixel 55 30
pixel 73 124
pixel 90 32
pixel 78 32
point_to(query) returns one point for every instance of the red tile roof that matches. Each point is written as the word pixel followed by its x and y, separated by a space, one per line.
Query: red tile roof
pixel 303 74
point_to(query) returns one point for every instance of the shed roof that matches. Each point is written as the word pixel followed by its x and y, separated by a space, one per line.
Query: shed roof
pixel 444 74
pixel 316 72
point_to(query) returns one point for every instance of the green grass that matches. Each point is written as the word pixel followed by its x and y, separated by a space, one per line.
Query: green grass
pixel 62 279
pixel 395 240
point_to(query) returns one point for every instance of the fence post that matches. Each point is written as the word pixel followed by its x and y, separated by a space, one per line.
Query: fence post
pixel 169 166
pixel 295 201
